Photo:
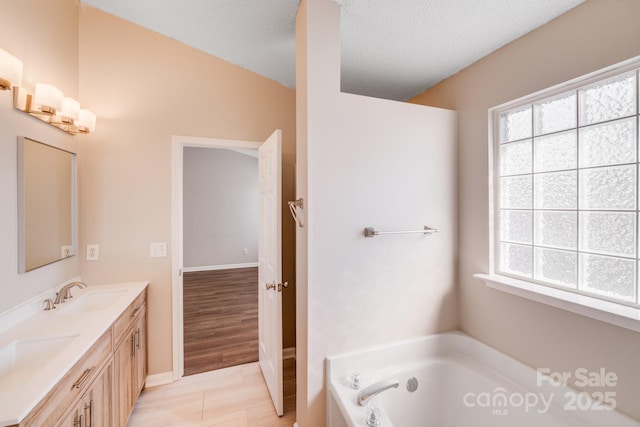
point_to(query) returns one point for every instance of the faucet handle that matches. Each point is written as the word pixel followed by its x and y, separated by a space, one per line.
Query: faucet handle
pixel 49 305
pixel 355 379
pixel 373 416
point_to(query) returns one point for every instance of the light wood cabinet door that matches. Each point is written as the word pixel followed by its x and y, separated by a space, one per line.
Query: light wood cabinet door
pixel 130 360
pixel 94 409
pixel 123 381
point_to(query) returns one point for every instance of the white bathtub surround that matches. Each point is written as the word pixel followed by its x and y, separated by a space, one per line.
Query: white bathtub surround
pixel 461 383
pixel 64 334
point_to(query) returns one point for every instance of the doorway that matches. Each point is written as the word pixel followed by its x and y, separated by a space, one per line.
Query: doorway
pixel 179 143
pixel 220 258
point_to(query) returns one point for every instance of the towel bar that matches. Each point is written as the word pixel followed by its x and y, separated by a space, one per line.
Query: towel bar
pixel 370 231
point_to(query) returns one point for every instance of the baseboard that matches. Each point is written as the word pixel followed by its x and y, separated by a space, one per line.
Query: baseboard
pixel 220 267
pixel 288 353
pixel 159 379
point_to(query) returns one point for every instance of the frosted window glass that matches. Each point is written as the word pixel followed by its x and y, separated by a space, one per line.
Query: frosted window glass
pixel 608 188
pixel 555 190
pixel 612 277
pixel 611 233
pixel 568 189
pixel 516 226
pixel 608 143
pixel 515 192
pixel 555 152
pixel 516 259
pixel 515 158
pixel 608 99
pixel 515 124
pixel 559 267
pixel 556 228
pixel 555 114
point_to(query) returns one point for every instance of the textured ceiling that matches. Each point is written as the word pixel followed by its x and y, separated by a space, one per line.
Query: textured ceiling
pixel 391 49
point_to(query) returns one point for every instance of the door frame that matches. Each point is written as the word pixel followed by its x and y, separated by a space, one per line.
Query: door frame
pixel 178 143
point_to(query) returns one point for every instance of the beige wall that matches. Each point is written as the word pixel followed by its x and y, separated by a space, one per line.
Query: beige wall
pixel 145 88
pixel 594 35
pixel 44 35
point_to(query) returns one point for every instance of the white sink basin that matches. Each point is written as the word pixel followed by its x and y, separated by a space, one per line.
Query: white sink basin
pixel 21 359
pixel 90 301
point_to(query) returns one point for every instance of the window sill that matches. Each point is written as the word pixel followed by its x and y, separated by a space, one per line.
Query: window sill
pixel 605 311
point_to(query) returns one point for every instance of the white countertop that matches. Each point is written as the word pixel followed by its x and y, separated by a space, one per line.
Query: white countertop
pixel 17 400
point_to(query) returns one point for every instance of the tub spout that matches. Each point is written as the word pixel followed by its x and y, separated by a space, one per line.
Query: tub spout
pixel 367 393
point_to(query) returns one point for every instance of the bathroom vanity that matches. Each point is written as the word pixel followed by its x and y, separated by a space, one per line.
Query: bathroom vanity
pixel 81 364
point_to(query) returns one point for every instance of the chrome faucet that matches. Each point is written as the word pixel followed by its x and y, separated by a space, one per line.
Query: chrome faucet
pixel 65 292
pixel 376 388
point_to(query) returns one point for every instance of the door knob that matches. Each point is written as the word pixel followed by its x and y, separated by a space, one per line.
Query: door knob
pixel 282 285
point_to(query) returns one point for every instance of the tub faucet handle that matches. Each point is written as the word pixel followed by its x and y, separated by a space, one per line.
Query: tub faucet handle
pixel 373 416
pixel 356 380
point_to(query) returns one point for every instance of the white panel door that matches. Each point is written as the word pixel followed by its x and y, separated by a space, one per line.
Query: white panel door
pixel 270 266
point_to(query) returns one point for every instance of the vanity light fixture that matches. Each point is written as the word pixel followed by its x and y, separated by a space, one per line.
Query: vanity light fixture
pixel 10 70
pixel 47 102
pixel 49 105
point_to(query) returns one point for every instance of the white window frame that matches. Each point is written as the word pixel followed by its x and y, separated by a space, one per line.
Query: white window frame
pixel 626 315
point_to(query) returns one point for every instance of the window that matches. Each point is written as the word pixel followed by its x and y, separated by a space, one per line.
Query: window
pixel 565 187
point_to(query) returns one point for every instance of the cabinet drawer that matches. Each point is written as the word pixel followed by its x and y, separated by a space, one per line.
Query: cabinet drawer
pixel 74 383
pixel 122 324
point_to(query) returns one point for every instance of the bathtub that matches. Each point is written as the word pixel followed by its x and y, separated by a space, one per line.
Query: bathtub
pixel 464 383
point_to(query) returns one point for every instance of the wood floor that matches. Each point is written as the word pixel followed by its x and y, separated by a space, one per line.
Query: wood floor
pixel 220 319
pixel 230 397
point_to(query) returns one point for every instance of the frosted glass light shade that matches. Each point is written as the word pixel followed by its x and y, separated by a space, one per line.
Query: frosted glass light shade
pixel 70 108
pixel 10 70
pixel 47 99
pixel 86 121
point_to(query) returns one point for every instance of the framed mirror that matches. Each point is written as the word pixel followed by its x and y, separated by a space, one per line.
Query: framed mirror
pixel 46 204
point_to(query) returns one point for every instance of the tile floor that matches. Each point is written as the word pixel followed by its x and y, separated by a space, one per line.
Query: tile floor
pixel 230 397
